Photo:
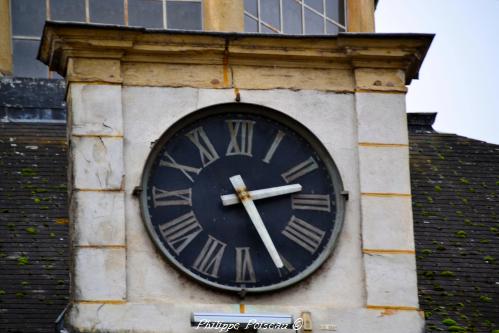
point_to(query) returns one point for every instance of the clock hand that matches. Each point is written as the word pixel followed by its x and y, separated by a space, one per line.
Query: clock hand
pixel 231 199
pixel 249 205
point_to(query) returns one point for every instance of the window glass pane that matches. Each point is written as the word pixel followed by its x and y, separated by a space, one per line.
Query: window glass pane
pixel 106 11
pixel 25 63
pixel 28 17
pixel 316 4
pixel 314 24
pixel 335 10
pixel 332 29
pixel 145 13
pixel 269 12
pixel 251 7
pixel 292 17
pixel 67 10
pixel 183 15
pixel 250 25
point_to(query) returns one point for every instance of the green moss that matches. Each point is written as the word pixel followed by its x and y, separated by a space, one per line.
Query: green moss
pixel 31 230
pixel 461 234
pixel 489 258
pixel 20 294
pixel 449 322
pixel 485 299
pixel 464 181
pixel 495 331
pixel 441 247
pixel 484 241
pixel 24 283
pixel 464 200
pixel 427 314
pixel 456 328
pixel 52 234
pixel 440 156
pixel 429 274
pixel 28 172
pixel 22 260
pixel 426 252
pixel 429 199
pixel 447 274
pixel 438 188
pixel 493 229
pixel 11 226
pixel 2 292
pixel 44 207
pixel 37 200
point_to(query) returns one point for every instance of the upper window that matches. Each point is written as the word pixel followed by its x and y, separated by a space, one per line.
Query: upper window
pixel 28 17
pixel 296 17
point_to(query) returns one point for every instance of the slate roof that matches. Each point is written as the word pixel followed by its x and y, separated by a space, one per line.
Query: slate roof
pixel 455 187
pixel 34 259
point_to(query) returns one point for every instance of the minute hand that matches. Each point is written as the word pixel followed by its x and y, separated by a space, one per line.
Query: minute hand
pixel 249 205
pixel 231 199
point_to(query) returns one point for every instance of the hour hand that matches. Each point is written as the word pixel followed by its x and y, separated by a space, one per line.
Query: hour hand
pixel 231 199
pixel 249 206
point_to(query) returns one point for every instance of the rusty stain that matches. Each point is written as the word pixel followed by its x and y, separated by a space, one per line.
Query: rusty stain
pixel 243 194
pixel 238 94
pixel 62 220
pixel 215 82
pixel 226 63
pixel 377 83
pixel 388 251
pixel 242 308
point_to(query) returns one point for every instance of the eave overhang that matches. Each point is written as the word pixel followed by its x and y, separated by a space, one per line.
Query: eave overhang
pixel 62 41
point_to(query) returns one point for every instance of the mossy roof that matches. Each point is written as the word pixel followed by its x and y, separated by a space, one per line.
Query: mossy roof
pixel 455 187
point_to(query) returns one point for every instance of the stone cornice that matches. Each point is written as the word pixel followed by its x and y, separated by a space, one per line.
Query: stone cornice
pixel 124 55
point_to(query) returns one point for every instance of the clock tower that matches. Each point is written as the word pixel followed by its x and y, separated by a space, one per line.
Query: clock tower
pixel 238 175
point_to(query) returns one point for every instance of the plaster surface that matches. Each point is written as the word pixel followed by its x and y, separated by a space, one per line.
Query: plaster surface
pixel 329 115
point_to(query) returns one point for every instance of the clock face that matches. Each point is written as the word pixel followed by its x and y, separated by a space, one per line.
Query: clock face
pixel 279 217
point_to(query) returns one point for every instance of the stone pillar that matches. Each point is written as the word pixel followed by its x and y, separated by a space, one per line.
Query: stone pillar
pixel 386 212
pixel 5 39
pixel 97 214
pixel 360 15
pixel 223 15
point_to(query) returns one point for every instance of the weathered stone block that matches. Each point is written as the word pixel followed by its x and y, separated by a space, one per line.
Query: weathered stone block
pixel 99 274
pixel 387 223
pixel 97 163
pixel 381 118
pixel 99 218
pixel 384 170
pixel 391 280
pixel 96 109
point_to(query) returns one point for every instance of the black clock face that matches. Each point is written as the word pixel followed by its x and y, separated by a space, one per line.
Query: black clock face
pixel 291 183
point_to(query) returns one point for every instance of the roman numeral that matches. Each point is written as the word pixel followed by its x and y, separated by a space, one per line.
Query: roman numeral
pixel 320 202
pixel 170 162
pixel 301 169
pixel 273 146
pixel 304 234
pixel 244 266
pixel 179 232
pixel 206 150
pixel 210 257
pixel 171 198
pixel 287 268
pixel 241 137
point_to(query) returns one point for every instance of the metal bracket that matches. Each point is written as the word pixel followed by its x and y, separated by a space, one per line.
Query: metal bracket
pixel 345 194
pixel 137 191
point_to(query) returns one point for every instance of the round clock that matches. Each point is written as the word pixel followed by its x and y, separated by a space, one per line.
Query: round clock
pixel 242 197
